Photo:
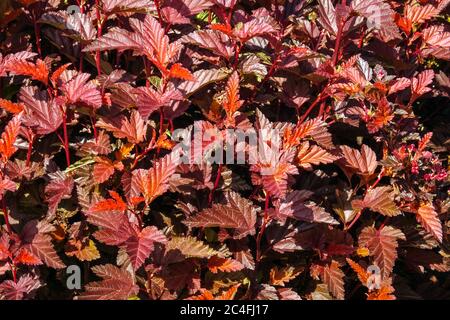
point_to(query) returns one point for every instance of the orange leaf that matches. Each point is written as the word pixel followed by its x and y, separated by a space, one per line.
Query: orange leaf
pixel 363 276
pixel 216 264
pixel 38 71
pixel 384 293
pixel 222 28
pixel 26 257
pixel 8 138
pixel 382 116
pixel 58 72
pixel 84 251
pixel 114 204
pixel 204 295
pixel 429 219
pixel 279 277
pixel 403 23
pixel 232 102
pixel 155 181
pixel 11 106
pixel 229 294
pixel 165 143
pixel 177 71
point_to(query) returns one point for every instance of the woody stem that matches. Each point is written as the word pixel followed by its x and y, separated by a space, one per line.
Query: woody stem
pixel 216 183
pixel 6 216
pixel 263 228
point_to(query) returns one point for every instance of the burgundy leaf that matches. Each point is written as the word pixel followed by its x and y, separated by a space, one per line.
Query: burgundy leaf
pixel 42 113
pixel 238 213
pixel 117 284
pixel 141 245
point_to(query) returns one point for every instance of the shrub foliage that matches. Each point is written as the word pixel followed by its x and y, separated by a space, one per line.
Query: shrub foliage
pixel 95 95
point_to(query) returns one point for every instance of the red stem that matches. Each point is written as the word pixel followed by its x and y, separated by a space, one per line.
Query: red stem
pixel 14 271
pixel 319 98
pixel 80 68
pixel 271 71
pixel 337 45
pixel 361 39
pixel 216 183
pixel 158 10
pixel 161 121
pixel 263 228
pixel 237 50
pixel 99 34
pixel 5 215
pixel 37 34
pixel 386 220
pixel 322 109
pixel 93 122
pixel 66 139
pixel 358 215
pixel 30 149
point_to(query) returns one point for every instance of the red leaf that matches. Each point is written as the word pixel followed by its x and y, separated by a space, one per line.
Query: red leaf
pixel 117 284
pixel 332 276
pixel 419 14
pixel 399 84
pixel 429 219
pixel 238 213
pixel 314 155
pixel 10 290
pixel 179 11
pixel 42 113
pixel 436 36
pixel 379 15
pixel 295 206
pixel 212 40
pixel 8 138
pixel 103 169
pixel 141 244
pixel 41 246
pixel 133 128
pixel 380 199
pixel 60 187
pixel 119 6
pixel 150 100
pixel 216 264
pixel 382 245
pixel 6 184
pixel 79 90
pixel 419 84
pixel 155 180
pixel 363 163
pixel 148 38
pixel 258 26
